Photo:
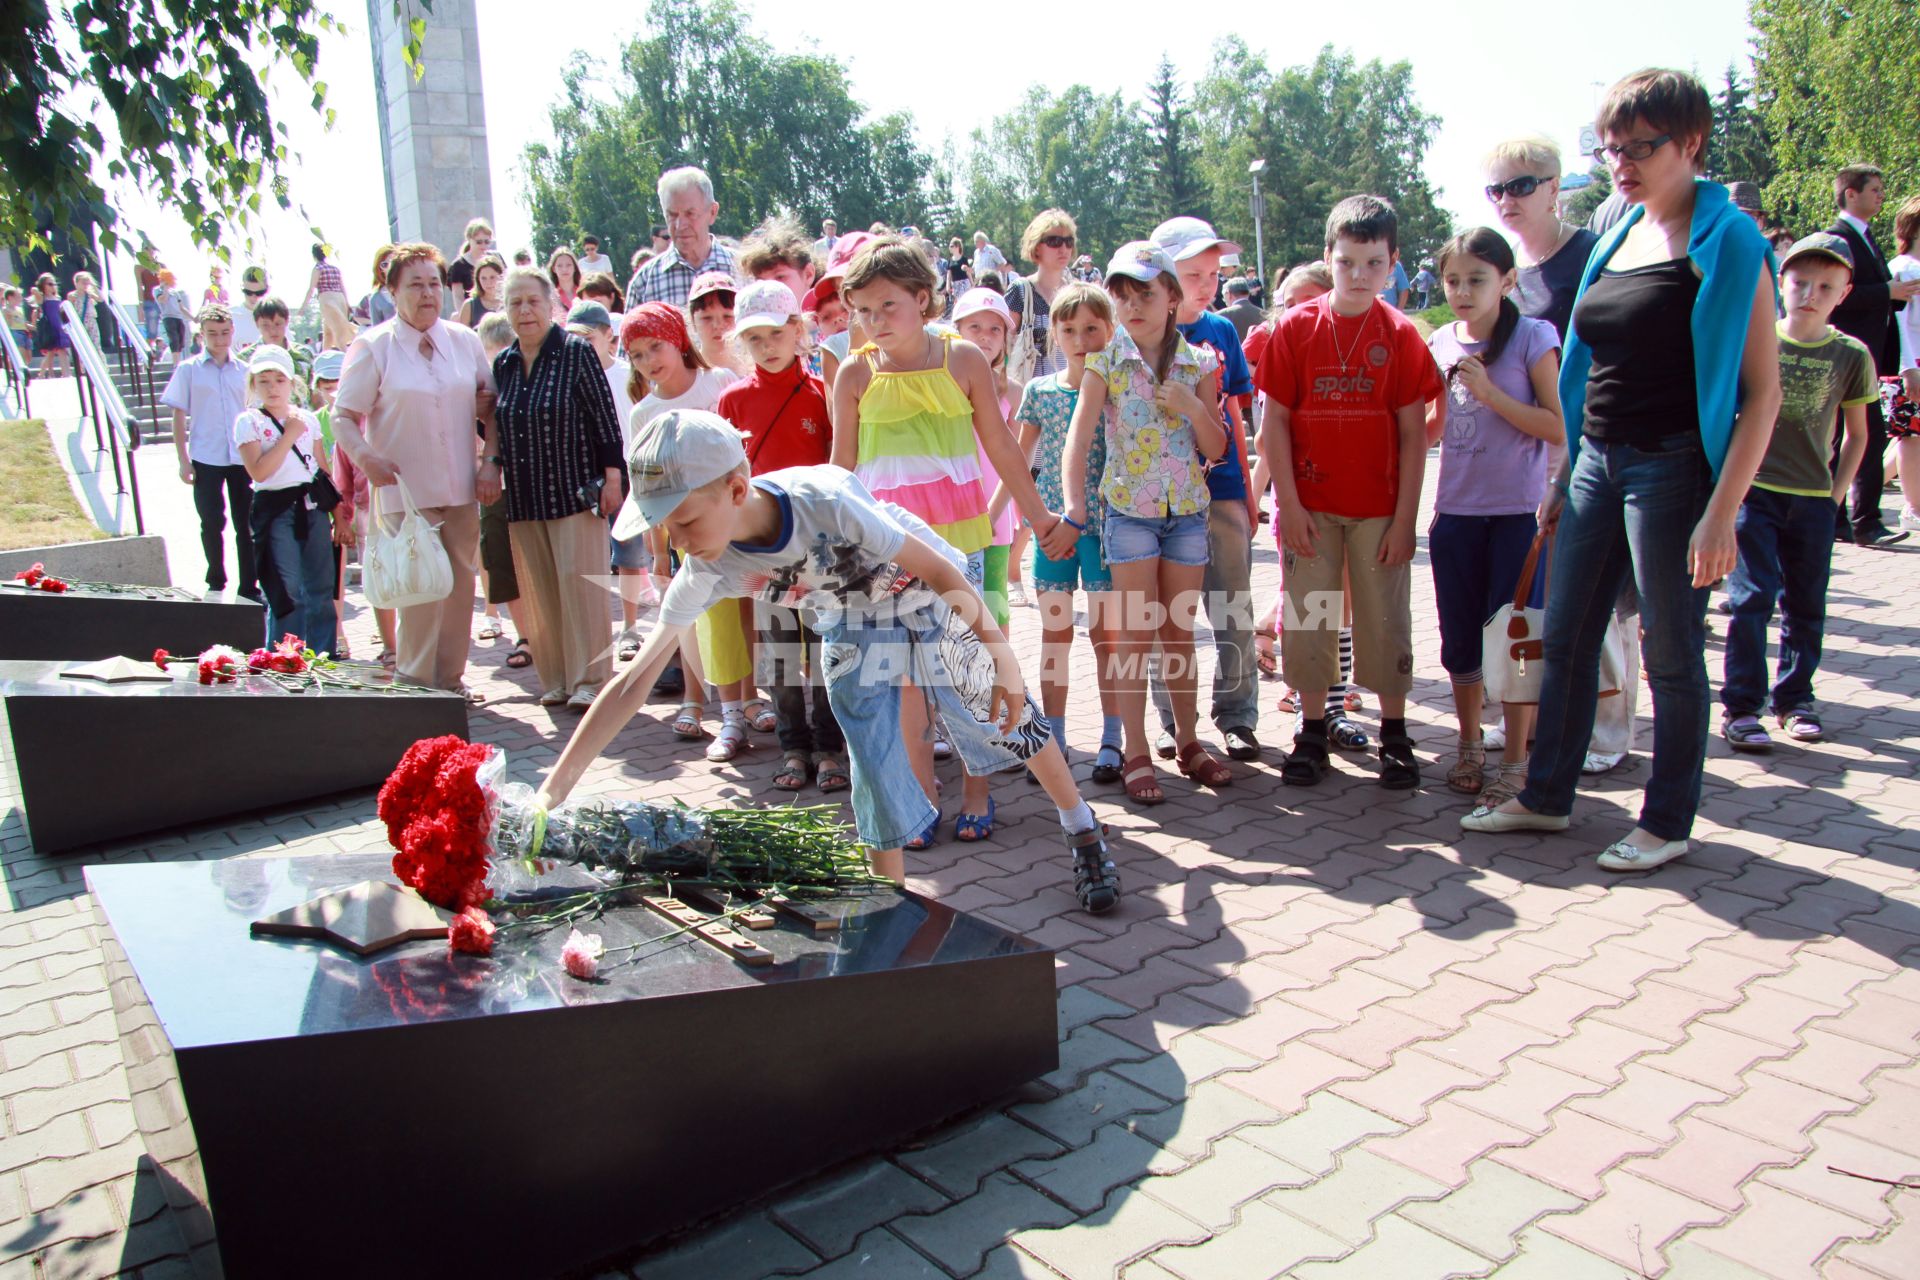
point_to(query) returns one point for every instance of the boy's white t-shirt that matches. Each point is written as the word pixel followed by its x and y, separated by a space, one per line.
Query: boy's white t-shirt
pixel 1907 319
pixel 254 427
pixel 833 555
pixel 703 394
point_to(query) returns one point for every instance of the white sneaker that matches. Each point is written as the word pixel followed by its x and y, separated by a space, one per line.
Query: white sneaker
pixel 1602 761
pixel 581 700
pixel 1910 519
pixel 1622 855
pixel 1495 736
pixel 553 697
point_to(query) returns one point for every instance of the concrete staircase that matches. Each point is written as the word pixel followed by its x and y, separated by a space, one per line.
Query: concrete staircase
pixel 156 421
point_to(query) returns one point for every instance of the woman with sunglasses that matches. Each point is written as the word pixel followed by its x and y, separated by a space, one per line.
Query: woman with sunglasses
pixel 1670 386
pixel 1523 183
pixel 1048 245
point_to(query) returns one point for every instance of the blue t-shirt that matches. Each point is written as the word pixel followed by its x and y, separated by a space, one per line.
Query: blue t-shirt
pixel 1396 285
pixel 1216 333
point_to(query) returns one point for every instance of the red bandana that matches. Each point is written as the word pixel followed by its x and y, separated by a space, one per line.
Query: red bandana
pixel 659 321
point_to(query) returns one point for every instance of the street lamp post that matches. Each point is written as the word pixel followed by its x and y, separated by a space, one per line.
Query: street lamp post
pixel 1259 213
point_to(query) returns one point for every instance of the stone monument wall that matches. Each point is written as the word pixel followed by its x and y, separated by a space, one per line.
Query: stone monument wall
pixel 433 129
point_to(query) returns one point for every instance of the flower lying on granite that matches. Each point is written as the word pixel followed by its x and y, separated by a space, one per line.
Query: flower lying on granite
pixel 289 657
pixel 437 817
pixel 221 664
pixel 581 955
pixel 472 932
pixel 38 578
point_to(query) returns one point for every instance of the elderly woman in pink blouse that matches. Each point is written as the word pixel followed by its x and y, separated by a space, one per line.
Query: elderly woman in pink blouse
pixel 409 398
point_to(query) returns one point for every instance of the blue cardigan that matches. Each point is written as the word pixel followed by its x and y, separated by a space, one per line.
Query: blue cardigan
pixel 1728 251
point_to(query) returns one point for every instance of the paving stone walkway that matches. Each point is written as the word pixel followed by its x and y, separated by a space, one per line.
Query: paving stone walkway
pixel 1326 1035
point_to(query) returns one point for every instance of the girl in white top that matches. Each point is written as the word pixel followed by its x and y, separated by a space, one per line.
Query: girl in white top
pixel 281 448
pixel 1906 266
pixel 669 372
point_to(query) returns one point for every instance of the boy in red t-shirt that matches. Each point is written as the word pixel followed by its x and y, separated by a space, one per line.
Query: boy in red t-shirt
pixel 1347 379
pixel 782 410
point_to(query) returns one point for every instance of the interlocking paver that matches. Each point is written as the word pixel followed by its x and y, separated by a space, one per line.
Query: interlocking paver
pixel 1400 1250
pixel 1449 1139
pixel 1082 1178
pixel 1490 1210
pixel 1780 1235
pixel 1210 1191
pixel 1265 1242
pixel 1314 1138
pixel 1630 1221
pixel 957 1163
pixel 1575 1153
pixel 1362 1189
pixel 1073 1116
pixel 959 1236
pixel 831 1215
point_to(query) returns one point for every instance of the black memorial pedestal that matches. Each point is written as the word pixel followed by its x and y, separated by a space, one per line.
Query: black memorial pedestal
pixel 99 761
pixel 416 1113
pixel 82 623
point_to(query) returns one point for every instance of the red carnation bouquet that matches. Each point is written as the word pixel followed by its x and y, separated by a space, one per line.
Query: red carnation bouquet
pixel 439 817
pixel 39 579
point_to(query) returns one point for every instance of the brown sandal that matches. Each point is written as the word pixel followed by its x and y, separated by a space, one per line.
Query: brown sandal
pixel 794 773
pixel 1142 783
pixel 1198 763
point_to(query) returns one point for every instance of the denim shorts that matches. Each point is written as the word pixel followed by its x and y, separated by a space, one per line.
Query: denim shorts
pixel 1085 567
pixel 631 553
pixel 1179 539
pixel 867 662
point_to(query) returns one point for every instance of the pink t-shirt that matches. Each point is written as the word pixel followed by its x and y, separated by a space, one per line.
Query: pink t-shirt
pixel 419 412
pixel 1009 515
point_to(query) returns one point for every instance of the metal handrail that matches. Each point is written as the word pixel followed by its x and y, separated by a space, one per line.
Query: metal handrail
pixel 110 416
pixel 16 370
pixel 131 339
pixel 135 360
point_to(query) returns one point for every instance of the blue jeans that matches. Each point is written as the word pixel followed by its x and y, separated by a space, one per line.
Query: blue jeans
pixel 1228 596
pixel 866 661
pixel 1627 511
pixel 1786 553
pixel 305 568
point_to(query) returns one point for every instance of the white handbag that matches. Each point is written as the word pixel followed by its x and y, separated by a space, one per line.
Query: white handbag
pixel 405 565
pixel 1513 643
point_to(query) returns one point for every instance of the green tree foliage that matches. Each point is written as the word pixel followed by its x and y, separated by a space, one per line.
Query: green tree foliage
pixel 1176 186
pixel 776 133
pixel 169 97
pixel 1738 150
pixel 1327 130
pixel 1080 152
pixel 1837 83
pixel 1582 203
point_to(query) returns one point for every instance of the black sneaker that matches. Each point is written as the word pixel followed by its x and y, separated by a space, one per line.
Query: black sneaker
pixel 1241 744
pixel 1096 881
pixel 671 684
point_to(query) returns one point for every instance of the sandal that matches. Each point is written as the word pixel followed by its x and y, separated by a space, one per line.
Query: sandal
pixel 1307 763
pixel 1746 734
pixel 490 629
pixel 1345 734
pixel 969 828
pixel 830 775
pixel 1353 700
pixel 1143 784
pixel 1263 655
pixel 1511 781
pixel 1289 701
pixel 1107 764
pixel 1803 725
pixel 686 721
pixel 1196 762
pixel 1469 773
pixel 794 773
pixel 760 715
pixel 729 742
pixel 928 838
pixel 520 656
pixel 627 646
pixel 388 660
pixel 1399 770
pixel 1096 881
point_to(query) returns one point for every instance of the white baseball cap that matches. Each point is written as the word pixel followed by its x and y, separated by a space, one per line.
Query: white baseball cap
pixel 1184 237
pixel 269 356
pixel 672 456
pixel 764 304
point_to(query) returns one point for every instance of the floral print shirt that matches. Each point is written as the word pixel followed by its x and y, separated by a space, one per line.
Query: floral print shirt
pixel 1047 405
pixel 1154 468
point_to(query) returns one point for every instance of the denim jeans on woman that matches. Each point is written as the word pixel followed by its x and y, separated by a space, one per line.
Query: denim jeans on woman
pixel 1628 511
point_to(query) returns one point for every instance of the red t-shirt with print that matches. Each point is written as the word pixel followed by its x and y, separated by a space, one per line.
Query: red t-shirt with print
pixel 784 415
pixel 1343 378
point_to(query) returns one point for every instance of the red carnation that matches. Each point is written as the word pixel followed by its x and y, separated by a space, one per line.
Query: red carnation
pixel 160 657
pixel 52 584
pixel 31 576
pixel 437 820
pixel 471 932
pixel 257 660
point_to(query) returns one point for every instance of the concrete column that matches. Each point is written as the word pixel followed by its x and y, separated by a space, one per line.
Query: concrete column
pixel 433 143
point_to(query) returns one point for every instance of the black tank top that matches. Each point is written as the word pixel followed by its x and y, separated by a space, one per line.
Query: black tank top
pixel 1641 389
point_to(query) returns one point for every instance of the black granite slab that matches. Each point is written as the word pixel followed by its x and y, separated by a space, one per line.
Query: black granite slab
pixel 83 623
pixel 415 1113
pixel 101 761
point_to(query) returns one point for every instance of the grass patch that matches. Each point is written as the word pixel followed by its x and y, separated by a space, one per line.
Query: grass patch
pixel 37 506
pixel 1437 315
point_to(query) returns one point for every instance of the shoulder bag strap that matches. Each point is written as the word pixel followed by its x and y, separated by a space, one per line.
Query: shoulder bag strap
pixel 1517 623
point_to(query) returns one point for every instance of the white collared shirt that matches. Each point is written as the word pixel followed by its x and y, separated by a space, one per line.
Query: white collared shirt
pixel 212 396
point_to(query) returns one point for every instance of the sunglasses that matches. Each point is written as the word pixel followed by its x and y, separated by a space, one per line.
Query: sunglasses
pixel 1524 185
pixel 1057 242
pixel 254 293
pixel 1639 149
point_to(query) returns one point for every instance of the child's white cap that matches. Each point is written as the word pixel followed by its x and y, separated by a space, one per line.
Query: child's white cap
pixel 269 356
pixel 977 300
pixel 764 304
pixel 672 456
pixel 1184 237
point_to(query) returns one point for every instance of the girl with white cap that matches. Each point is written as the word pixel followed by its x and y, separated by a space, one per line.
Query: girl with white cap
pixel 281 448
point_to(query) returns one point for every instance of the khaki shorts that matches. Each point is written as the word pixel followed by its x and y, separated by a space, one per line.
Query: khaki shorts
pixel 1382 609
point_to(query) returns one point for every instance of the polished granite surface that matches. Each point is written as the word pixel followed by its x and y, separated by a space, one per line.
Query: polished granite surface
pixel 184 927
pixel 43 680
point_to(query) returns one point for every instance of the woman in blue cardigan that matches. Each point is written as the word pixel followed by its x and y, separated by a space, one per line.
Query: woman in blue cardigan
pixel 1670 385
